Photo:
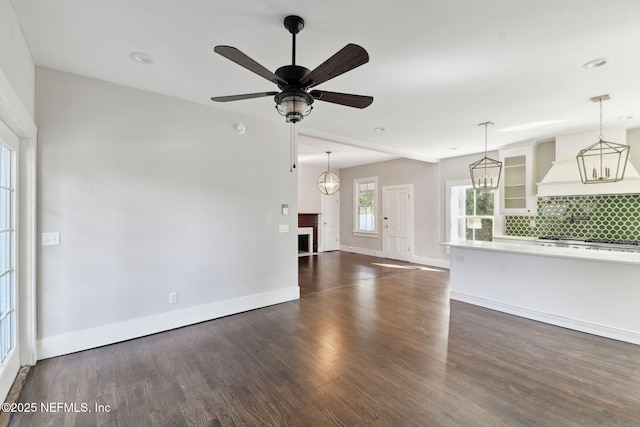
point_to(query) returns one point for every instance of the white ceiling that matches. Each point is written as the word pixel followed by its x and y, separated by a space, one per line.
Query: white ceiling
pixel 313 151
pixel 437 68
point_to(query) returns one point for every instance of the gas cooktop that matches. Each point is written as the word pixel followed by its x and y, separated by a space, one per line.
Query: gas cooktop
pixel 591 243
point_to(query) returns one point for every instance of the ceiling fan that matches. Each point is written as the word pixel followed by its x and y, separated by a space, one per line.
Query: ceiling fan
pixel 294 81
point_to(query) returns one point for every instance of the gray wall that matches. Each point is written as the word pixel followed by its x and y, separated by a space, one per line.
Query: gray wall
pixel 152 195
pixel 423 176
pixel 633 140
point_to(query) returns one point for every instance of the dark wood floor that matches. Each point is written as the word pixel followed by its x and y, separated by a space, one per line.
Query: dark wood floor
pixel 371 342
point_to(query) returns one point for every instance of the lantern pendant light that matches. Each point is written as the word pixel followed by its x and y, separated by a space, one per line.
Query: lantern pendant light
pixel 328 182
pixel 603 161
pixel 485 173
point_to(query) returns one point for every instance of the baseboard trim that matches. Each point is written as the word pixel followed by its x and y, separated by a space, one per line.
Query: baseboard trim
pixel 577 325
pixel 85 339
pixel 431 262
pixel 361 251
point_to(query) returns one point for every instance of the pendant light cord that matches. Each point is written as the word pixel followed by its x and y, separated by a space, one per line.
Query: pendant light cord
pixel 601 138
pixel 486 125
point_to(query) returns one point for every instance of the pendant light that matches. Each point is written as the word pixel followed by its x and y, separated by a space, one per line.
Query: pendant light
pixel 603 161
pixel 485 173
pixel 328 182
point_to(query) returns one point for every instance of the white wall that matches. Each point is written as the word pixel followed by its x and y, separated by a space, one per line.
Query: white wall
pixel 16 112
pixel 15 60
pixel 152 195
pixel 309 197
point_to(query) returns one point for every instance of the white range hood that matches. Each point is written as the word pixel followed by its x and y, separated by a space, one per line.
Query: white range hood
pixel 563 179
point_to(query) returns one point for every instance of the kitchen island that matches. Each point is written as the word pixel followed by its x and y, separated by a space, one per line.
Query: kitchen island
pixel 593 291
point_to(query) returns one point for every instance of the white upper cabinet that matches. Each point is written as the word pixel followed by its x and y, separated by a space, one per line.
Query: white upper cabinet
pixel 517 187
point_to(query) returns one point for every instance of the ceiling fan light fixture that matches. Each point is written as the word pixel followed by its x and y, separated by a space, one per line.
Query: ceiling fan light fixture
pixel 294 102
pixel 294 106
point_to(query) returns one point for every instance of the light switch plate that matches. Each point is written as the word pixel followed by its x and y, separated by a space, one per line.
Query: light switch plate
pixel 284 228
pixel 173 297
pixel 50 239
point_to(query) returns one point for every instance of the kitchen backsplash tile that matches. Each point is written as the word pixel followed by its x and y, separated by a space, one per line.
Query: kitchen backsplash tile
pixel 603 217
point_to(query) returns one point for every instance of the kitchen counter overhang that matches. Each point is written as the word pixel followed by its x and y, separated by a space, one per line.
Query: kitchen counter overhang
pixel 597 292
pixel 530 247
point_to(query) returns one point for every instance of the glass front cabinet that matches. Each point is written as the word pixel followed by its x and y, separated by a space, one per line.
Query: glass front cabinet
pixel 517 187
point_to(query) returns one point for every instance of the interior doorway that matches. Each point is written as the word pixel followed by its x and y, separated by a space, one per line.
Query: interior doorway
pixel 397 222
pixel 331 222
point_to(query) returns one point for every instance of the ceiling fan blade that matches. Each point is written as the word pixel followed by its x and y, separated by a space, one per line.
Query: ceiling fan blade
pixel 347 58
pixel 233 54
pixel 240 97
pixel 356 101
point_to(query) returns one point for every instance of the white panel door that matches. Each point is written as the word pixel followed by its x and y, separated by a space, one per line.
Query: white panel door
pixel 331 222
pixel 397 222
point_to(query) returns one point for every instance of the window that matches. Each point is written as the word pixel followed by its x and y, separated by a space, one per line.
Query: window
pixel 471 213
pixel 365 205
pixel 7 310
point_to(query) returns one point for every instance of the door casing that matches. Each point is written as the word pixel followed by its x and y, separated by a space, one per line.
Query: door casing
pixel 397 222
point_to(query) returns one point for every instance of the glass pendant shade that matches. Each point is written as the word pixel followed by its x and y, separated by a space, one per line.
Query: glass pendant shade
pixel 294 106
pixel 485 173
pixel 328 182
pixel 603 161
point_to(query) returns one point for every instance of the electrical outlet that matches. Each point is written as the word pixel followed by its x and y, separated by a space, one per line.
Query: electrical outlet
pixel 173 297
pixel 50 239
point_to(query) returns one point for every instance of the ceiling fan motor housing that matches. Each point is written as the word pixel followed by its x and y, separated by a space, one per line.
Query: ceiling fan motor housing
pixel 293 74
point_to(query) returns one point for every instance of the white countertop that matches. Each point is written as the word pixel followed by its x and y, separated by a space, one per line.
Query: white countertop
pixel 551 251
pixel 515 238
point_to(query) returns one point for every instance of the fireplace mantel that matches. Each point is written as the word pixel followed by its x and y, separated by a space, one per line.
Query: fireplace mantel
pixel 310 220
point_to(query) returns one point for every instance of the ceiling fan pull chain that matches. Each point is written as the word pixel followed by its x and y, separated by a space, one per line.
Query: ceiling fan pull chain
pixel 293 149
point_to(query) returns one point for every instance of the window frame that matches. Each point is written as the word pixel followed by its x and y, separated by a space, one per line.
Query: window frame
pixel 357 230
pixel 461 213
pixel 480 217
